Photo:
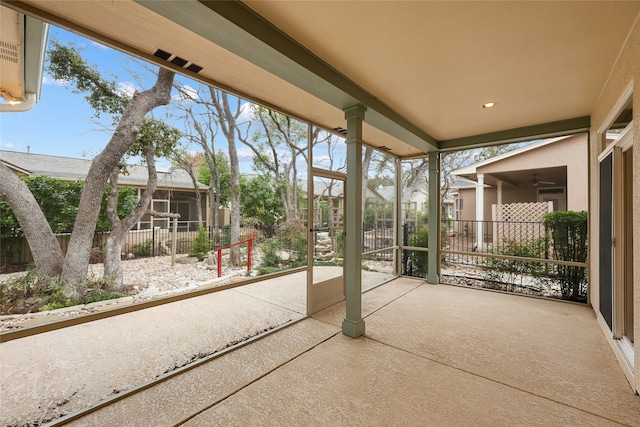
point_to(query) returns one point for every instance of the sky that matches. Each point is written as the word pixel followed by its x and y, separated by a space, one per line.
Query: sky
pixel 62 122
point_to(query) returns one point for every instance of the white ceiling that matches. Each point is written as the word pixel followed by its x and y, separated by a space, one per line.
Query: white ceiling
pixel 422 68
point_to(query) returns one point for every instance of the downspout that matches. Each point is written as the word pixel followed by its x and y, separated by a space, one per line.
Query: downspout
pixel 18 105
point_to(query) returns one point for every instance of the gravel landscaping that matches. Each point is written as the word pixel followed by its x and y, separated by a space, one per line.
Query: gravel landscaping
pixel 149 278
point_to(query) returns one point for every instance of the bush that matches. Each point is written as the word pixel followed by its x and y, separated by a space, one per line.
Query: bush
pixel 26 294
pixel 416 263
pixel 501 273
pixel 568 231
pixel 182 244
pixel 291 238
pixel 269 250
pixel 201 244
pixel 144 249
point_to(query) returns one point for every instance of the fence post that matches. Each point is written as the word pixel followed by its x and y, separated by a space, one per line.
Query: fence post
pixel 249 253
pixel 153 240
pixel 174 241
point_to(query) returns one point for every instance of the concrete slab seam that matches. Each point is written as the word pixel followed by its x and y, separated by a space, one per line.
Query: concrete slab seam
pixel 164 377
pixel 395 299
pixel 255 380
pixel 499 382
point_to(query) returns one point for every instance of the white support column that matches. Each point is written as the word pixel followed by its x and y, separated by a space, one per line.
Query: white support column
pixel 353 324
pixel 499 193
pixel 480 212
pixel 433 269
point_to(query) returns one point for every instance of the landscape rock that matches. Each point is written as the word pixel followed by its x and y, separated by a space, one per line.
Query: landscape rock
pixel 187 260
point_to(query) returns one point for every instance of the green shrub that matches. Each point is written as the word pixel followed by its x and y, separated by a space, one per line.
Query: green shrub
pixel 339 235
pixel 416 263
pixel 201 244
pixel 506 273
pixel 568 231
pixel 28 294
pixel 144 248
pixel 291 238
pixel 269 250
pixel 183 244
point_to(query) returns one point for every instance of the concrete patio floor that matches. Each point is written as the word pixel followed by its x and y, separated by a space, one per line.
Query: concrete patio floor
pixel 48 375
pixel 432 355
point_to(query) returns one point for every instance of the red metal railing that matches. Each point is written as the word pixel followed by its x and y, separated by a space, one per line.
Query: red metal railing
pixel 249 243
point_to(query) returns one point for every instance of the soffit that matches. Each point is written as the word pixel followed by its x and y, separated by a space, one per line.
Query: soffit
pixel 12 86
pixel 128 26
pixel 431 63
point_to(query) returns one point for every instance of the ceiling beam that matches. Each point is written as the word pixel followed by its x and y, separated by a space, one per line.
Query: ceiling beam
pixel 237 28
pixel 526 133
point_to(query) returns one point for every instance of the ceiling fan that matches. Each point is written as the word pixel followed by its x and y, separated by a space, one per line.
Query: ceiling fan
pixel 535 181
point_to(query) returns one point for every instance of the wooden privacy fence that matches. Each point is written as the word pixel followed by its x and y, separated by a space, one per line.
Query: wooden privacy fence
pixel 16 254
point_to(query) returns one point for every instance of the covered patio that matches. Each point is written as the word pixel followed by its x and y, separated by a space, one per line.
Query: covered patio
pixel 432 355
pixel 413 79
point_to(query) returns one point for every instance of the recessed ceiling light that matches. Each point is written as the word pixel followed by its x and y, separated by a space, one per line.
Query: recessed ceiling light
pixel 489 105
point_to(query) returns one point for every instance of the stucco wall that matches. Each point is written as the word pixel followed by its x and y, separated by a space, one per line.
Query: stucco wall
pixel 625 72
pixel 571 152
pixel 468 212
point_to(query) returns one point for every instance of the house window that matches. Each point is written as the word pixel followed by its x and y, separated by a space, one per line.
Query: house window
pixel 184 209
pixel 457 207
pixel 458 203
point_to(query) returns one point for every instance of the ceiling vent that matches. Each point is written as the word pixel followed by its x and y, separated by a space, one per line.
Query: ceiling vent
pixel 9 51
pixel 174 59
pixel 384 148
pixel 340 130
pixel 180 62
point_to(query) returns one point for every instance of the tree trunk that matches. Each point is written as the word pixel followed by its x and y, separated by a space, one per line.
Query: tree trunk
pixel 76 262
pixel 234 214
pixel 113 259
pixel 199 207
pixel 229 128
pixel 120 227
pixel 44 246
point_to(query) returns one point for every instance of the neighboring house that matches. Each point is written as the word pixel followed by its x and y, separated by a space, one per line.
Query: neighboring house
pixel 520 187
pixel 554 170
pixel 418 202
pixel 174 193
pixel 329 191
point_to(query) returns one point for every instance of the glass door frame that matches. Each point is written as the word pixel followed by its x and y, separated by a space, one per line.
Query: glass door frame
pixel 326 293
pixel 615 299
